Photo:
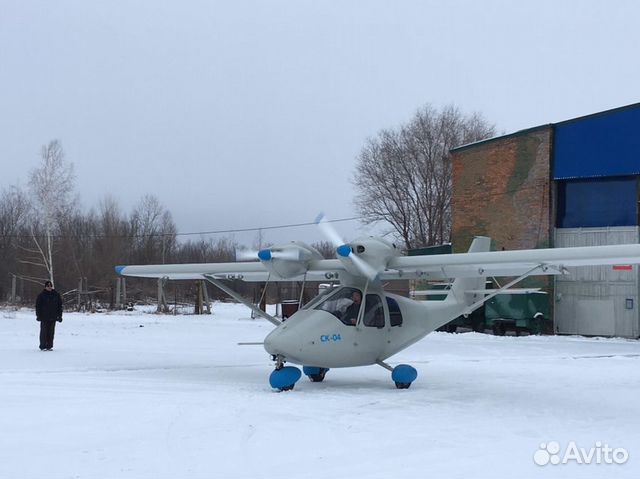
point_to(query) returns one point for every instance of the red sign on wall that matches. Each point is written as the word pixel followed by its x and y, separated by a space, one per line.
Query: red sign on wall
pixel 622 267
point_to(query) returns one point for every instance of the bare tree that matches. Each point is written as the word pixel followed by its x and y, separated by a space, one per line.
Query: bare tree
pixel 14 208
pixel 113 241
pixel 326 249
pixel 207 251
pixel 51 186
pixel 154 231
pixel 403 176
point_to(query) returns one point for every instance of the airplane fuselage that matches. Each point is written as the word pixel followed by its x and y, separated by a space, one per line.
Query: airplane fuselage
pixel 317 337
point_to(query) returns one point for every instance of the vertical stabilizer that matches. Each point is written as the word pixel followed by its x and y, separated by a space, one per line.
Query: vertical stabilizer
pixel 480 244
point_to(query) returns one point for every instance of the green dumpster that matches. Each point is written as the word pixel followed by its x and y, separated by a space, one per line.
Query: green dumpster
pixel 518 312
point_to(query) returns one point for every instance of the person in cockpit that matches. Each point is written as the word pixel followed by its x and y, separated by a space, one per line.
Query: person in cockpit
pixel 350 316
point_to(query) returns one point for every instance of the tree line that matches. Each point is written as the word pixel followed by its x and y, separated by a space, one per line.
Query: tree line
pixel 402 178
pixel 45 235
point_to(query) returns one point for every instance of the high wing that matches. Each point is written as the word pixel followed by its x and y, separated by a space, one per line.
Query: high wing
pixel 432 267
pixel 509 263
pixel 245 271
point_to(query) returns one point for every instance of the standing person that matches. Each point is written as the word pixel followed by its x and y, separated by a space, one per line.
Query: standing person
pixel 48 311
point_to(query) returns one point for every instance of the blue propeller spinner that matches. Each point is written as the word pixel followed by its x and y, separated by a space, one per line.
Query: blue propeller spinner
pixel 264 254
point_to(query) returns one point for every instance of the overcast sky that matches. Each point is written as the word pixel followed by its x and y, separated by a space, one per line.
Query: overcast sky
pixel 243 114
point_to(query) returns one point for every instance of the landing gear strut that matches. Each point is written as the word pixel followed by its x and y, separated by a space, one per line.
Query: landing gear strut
pixel 283 378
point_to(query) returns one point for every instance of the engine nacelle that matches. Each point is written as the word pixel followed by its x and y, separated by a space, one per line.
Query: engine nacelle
pixel 367 256
pixel 289 260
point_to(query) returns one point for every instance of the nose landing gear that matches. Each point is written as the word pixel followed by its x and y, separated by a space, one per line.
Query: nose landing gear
pixel 283 378
pixel 403 374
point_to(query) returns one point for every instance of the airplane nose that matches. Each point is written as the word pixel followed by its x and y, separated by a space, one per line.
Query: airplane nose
pixel 283 340
pixel 273 343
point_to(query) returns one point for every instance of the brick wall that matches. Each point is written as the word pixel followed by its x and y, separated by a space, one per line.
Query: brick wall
pixel 501 189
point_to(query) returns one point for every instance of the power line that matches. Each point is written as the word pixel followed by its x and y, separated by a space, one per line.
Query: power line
pixel 243 230
pixel 191 233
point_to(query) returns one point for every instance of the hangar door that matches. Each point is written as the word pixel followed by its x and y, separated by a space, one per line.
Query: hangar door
pixel 597 300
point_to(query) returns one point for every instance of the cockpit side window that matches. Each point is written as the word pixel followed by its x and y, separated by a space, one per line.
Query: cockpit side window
pixel 344 305
pixel 395 315
pixel 373 312
pixel 324 292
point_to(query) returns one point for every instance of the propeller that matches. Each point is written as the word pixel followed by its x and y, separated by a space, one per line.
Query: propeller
pixel 329 231
pixel 267 254
pixel 343 249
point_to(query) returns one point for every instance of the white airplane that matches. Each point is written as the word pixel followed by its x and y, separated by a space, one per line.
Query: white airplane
pixel 358 323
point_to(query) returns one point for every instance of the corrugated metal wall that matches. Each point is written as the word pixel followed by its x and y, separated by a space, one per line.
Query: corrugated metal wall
pixel 595 300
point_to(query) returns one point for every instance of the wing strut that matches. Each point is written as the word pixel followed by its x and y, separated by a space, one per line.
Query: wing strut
pixel 304 282
pixel 479 303
pixel 219 284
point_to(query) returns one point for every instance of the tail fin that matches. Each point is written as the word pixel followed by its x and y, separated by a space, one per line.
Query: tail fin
pixel 457 294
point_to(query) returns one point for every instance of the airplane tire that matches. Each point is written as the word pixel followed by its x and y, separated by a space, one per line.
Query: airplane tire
pixel 403 375
pixel 285 378
pixel 499 329
pixel 315 374
pixel 318 378
pixel 403 385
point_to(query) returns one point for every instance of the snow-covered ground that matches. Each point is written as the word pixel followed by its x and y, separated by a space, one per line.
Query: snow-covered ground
pixel 140 395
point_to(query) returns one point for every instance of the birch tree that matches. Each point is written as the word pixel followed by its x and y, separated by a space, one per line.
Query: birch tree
pixel 51 186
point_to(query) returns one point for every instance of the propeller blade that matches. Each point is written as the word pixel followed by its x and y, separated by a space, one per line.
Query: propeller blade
pixel 365 268
pixel 246 255
pixel 344 249
pixel 290 254
pixel 329 231
pixel 267 254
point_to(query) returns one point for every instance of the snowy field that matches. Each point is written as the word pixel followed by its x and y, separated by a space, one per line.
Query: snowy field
pixel 137 395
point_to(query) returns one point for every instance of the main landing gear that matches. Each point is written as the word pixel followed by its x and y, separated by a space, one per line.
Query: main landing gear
pixel 283 378
pixel 402 375
pixel 314 373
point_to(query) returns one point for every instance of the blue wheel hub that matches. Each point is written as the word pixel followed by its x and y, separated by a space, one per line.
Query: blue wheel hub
pixel 284 378
pixel 403 375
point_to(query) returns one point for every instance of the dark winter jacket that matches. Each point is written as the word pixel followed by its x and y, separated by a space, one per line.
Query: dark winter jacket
pixel 49 306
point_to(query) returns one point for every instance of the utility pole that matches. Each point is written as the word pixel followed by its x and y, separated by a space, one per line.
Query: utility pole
pixel 198 308
pixel 13 289
pixel 162 298
pixel 207 302
pixel 118 304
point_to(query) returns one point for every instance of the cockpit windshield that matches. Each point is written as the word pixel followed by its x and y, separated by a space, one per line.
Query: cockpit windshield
pixel 324 292
pixel 344 304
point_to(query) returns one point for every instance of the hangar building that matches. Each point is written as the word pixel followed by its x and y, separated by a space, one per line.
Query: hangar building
pixel 574 183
